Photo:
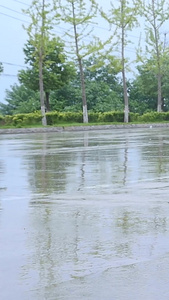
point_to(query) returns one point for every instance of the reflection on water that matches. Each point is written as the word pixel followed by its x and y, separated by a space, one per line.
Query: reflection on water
pixel 85 215
pixel 92 163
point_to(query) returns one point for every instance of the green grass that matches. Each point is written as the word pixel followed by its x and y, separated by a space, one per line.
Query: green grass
pixel 78 124
pixel 59 125
pixel 17 127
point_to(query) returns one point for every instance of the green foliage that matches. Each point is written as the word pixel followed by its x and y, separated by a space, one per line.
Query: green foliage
pixel 71 117
pixel 156 14
pixel 42 15
pixel 64 117
pixel 8 120
pixel 79 16
pixel 20 99
pixel 154 117
pixel 112 116
pixel 133 117
pixel 94 117
pixel 143 90
pixel 2 121
pixel 56 118
pixel 123 18
pixel 57 71
pixel 52 117
pixel 103 91
pixel 32 119
pixel 21 120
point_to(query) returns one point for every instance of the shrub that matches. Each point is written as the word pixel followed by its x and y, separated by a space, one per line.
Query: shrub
pixel 2 120
pixel 8 120
pixel 55 117
pixel 112 116
pixel 32 118
pixel 166 116
pixel 133 117
pixel 52 117
pixel 93 117
pixel 76 117
pixel 64 117
pixel 152 117
pixel 20 120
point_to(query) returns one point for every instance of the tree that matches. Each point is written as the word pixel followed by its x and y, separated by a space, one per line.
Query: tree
pixel 39 31
pixel 77 14
pixel 56 70
pixel 20 99
pixel 103 89
pixel 144 89
pixel 156 13
pixel 67 98
pixel 123 19
pixel 104 92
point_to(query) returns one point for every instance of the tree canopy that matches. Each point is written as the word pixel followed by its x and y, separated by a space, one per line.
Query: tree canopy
pixel 20 99
pixel 57 71
pixel 79 71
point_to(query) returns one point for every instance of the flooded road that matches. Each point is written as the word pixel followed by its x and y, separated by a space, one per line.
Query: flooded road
pixel 85 215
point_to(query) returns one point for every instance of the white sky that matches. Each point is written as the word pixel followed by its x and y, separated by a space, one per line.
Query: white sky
pixel 13 38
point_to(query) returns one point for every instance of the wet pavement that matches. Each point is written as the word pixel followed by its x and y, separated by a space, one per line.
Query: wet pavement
pixel 85 215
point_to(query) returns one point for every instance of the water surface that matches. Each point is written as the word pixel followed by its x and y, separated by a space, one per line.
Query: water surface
pixel 85 215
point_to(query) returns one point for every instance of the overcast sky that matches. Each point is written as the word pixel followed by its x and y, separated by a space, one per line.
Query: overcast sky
pixel 13 38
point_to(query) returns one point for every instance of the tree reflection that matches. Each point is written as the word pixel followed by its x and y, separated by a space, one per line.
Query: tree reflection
pixel 2 171
pixel 79 164
pixel 155 152
pixel 143 230
pixel 125 162
pixel 48 169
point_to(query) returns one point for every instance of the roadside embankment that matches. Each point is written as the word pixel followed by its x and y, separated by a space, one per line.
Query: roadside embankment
pixel 80 128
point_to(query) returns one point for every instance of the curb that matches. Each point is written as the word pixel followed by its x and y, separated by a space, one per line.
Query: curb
pixel 81 128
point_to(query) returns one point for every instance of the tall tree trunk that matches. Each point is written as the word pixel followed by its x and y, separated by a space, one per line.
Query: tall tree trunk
pixel 126 102
pixel 126 105
pixel 42 101
pixel 41 52
pixel 47 94
pixel 159 101
pixel 84 101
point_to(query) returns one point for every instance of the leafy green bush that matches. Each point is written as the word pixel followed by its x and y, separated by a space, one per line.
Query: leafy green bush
pixel 69 117
pixel 18 120
pixel 2 120
pixel 166 116
pixel 152 117
pixel 93 117
pixel 21 120
pixel 52 117
pixel 111 116
pixel 32 119
pixel 56 117
pixel 133 117
pixel 8 120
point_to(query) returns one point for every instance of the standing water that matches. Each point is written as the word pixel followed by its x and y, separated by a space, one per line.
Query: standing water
pixel 85 215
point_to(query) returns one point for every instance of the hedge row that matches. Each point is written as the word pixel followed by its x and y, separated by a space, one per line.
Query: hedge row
pixel 21 120
pixel 54 118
